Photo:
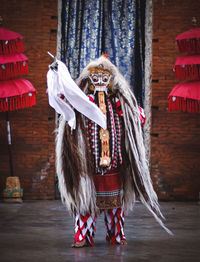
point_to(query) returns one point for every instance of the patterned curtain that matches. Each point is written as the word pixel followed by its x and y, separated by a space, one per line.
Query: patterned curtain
pixel 92 27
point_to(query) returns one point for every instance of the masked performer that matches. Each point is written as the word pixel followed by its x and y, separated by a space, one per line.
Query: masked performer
pixel 104 170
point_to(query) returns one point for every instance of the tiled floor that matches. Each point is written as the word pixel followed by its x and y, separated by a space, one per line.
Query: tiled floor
pixel 37 231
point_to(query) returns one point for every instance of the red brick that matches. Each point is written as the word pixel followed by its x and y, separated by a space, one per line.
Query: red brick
pixel 175 151
pixel 32 133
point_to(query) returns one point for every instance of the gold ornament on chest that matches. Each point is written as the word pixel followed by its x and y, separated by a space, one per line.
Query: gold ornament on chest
pixel 100 82
pixel 105 150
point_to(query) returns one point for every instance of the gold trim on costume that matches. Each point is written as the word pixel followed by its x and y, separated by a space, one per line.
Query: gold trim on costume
pixel 104 135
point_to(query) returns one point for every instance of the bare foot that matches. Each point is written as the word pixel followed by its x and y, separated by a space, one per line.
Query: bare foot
pixel 123 242
pixel 82 243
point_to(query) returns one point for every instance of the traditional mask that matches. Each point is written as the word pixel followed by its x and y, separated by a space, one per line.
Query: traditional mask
pixel 100 79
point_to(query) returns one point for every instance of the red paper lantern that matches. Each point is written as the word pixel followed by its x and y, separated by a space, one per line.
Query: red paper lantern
pixel 189 41
pixel 16 94
pixel 13 65
pixel 187 67
pixel 10 42
pixel 185 97
pixel 19 93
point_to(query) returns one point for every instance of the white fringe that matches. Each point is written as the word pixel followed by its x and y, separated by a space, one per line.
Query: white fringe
pixel 85 199
pixel 136 150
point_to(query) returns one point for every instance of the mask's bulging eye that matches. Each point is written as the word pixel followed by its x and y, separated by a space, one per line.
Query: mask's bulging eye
pixel 95 78
pixel 105 78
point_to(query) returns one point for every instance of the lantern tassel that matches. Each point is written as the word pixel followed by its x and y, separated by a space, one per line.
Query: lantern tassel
pixel 189 46
pixel 17 102
pixel 12 70
pixel 11 47
pixel 188 72
pixel 184 105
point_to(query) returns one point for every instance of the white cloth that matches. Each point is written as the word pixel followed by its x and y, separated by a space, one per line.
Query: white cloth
pixel 60 83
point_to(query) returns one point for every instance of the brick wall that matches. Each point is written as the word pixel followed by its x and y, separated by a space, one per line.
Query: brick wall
pixel 32 138
pixel 175 150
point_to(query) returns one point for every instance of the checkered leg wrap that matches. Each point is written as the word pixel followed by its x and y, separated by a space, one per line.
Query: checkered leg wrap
pixel 114 220
pixel 85 228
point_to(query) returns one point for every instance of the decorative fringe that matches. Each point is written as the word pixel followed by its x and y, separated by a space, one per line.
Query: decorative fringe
pixel 191 46
pixel 188 72
pixel 185 105
pixel 11 46
pixel 11 70
pixel 17 102
pixel 136 153
pixel 79 200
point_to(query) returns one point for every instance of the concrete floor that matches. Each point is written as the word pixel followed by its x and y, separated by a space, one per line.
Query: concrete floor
pixel 37 231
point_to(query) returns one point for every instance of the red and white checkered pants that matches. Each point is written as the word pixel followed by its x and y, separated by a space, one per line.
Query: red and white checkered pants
pixel 114 221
